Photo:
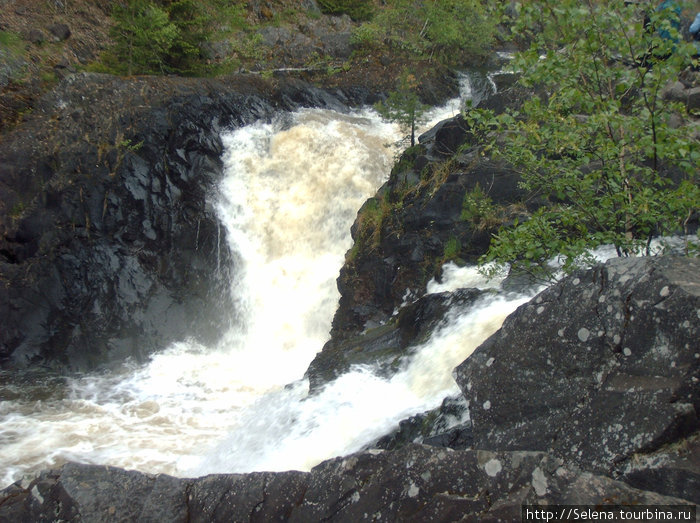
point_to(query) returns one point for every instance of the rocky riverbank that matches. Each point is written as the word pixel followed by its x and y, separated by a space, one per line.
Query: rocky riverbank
pixel 596 404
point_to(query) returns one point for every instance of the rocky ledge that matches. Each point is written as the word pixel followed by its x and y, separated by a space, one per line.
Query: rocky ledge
pixel 588 394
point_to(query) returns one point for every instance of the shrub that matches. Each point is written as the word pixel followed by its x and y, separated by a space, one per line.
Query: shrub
pixel 595 137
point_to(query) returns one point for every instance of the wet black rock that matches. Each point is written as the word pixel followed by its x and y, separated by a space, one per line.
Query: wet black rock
pixel 59 31
pixel 447 426
pixel 386 346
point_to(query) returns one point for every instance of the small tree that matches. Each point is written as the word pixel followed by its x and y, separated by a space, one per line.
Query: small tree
pixel 404 107
pixel 193 29
pixel 143 36
pixel 596 139
pixel 355 9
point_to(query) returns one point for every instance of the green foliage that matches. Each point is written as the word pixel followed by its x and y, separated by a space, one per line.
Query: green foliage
pixel 10 41
pixel 596 138
pixel 12 63
pixel 17 209
pixel 356 9
pixel 167 36
pixel 477 207
pixel 452 249
pixel 127 145
pixel 369 223
pixel 367 36
pixel 143 36
pixel 193 29
pixel 404 107
pixel 448 30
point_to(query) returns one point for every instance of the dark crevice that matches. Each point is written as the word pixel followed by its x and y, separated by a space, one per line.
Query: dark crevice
pixel 341 504
pixel 299 501
pixel 258 506
pixel 9 256
pixel 188 497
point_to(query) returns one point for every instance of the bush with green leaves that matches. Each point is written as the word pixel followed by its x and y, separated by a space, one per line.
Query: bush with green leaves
pixel 597 138
pixel 477 207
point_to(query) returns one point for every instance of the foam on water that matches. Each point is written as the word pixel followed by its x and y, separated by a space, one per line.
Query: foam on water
pixel 291 191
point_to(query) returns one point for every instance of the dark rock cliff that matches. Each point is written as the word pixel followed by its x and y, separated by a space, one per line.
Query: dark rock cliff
pixel 109 242
pixel 595 403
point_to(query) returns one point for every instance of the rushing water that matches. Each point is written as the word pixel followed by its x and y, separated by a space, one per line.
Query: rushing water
pixel 291 191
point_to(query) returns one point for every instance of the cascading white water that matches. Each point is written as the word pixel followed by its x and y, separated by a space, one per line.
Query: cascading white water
pixel 289 430
pixel 291 192
pixel 288 202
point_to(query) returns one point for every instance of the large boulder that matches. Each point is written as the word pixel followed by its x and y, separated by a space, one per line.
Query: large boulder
pixel 601 370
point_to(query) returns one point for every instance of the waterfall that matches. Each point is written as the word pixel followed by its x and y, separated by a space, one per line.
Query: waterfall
pixel 290 193
pixel 288 430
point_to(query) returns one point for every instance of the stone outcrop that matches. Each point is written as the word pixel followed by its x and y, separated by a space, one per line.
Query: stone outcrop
pixel 422 212
pixel 109 241
pixel 601 370
pixel 416 483
pixel 447 426
pixel 386 346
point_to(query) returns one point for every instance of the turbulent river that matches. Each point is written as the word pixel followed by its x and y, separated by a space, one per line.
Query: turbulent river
pixel 290 194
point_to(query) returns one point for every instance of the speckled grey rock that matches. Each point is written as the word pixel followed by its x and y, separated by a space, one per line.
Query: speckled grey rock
pixel 416 483
pixel 598 369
